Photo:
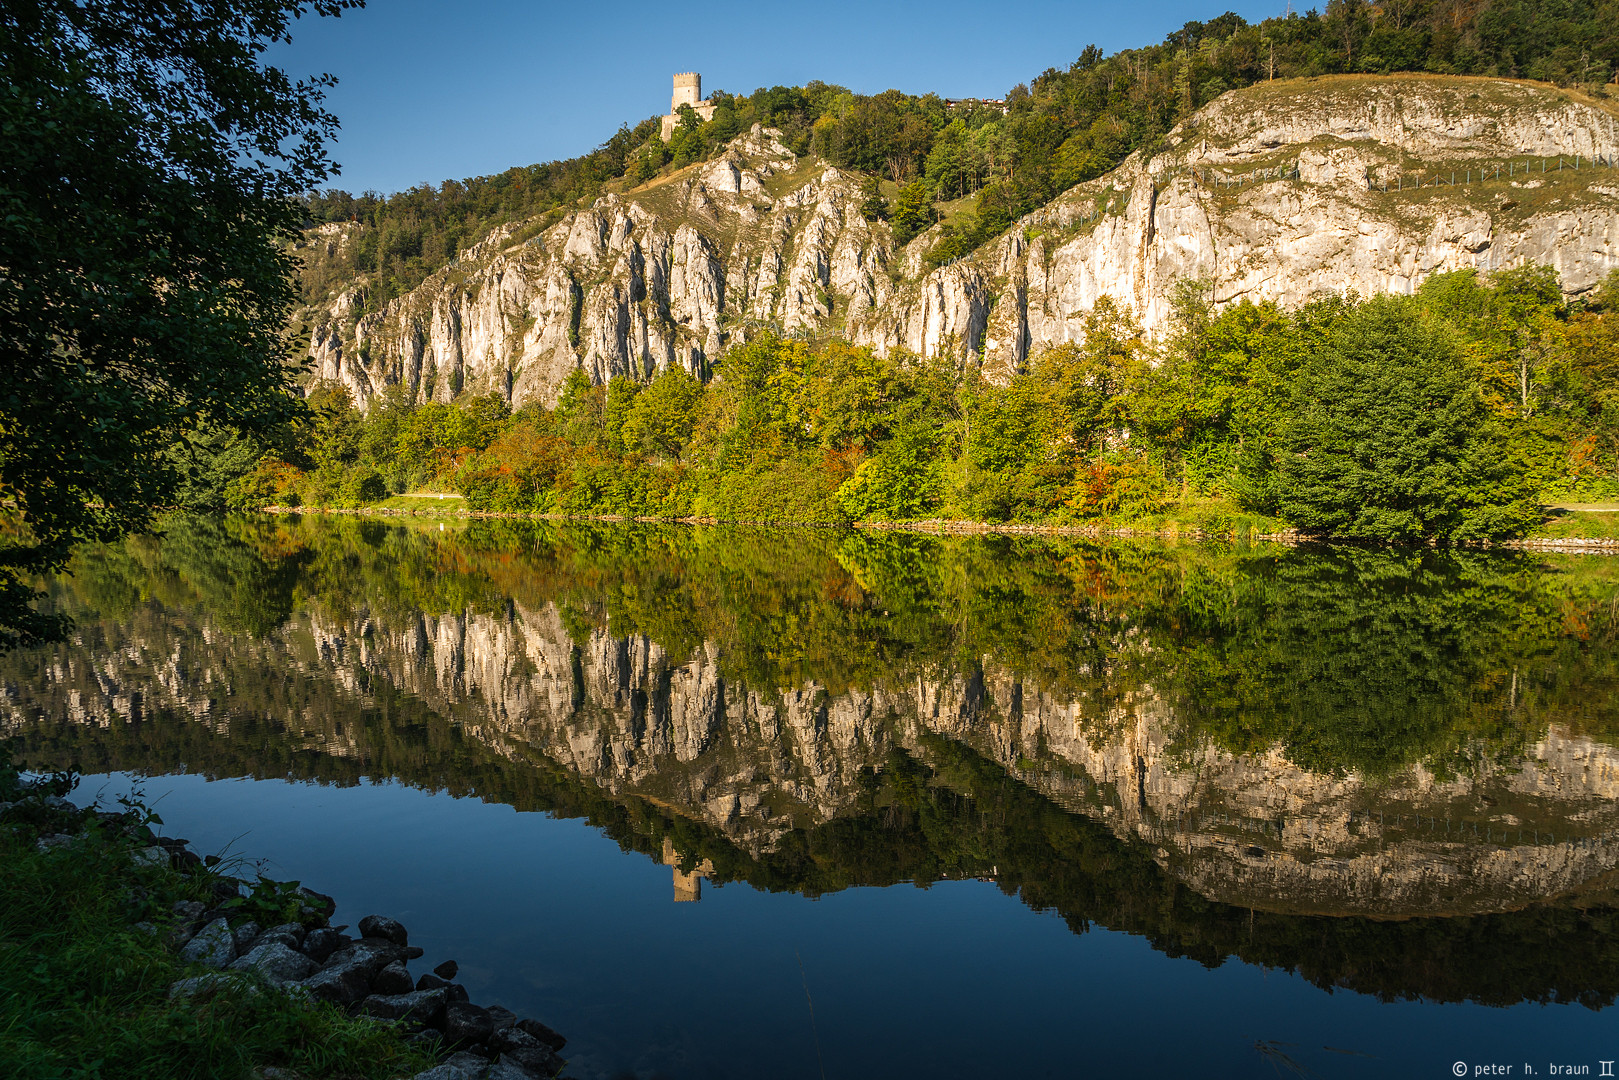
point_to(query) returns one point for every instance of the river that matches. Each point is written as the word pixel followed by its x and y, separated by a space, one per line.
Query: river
pixel 733 802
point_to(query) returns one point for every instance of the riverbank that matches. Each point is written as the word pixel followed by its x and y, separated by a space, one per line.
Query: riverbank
pixel 125 953
pixel 1550 537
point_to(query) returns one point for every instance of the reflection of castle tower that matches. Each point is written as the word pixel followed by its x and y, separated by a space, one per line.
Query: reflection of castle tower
pixel 688 91
pixel 688 887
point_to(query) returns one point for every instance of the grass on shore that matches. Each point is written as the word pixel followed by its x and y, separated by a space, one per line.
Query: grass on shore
pixel 446 504
pixel 84 988
pixel 1210 517
pixel 1577 525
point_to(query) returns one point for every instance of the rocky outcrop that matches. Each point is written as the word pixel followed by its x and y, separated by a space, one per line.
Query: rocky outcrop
pixel 1276 192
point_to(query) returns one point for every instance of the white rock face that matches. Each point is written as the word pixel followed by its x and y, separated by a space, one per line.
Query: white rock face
pixel 1270 193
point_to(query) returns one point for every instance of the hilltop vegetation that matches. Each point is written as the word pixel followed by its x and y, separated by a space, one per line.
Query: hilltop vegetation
pixel 1060 129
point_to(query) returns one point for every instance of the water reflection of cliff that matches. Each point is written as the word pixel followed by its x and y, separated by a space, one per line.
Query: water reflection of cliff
pixel 1284 733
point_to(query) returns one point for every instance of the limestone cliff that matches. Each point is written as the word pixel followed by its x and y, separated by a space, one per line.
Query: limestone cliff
pixel 1281 191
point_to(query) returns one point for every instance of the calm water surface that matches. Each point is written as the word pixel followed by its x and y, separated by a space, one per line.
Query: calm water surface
pixel 738 803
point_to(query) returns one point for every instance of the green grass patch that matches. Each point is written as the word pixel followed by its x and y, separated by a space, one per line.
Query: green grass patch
pixel 454 504
pixel 1578 525
pixel 1210 517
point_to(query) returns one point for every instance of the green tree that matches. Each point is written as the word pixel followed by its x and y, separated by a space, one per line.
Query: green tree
pixel 1389 438
pixel 476 422
pixel 661 419
pixel 913 211
pixel 148 162
pixel 902 480
pixel 621 394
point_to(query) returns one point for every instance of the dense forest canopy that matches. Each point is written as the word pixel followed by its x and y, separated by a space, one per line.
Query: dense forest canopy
pixel 1062 128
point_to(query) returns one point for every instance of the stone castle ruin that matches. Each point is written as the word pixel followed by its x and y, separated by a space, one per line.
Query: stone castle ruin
pixel 688 91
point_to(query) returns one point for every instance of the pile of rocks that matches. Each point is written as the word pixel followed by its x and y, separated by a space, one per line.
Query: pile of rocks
pixel 366 975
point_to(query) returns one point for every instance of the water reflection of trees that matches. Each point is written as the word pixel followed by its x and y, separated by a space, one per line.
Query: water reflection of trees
pixel 1347 658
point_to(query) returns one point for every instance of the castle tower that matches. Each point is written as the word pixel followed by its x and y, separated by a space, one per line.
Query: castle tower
pixel 688 887
pixel 688 91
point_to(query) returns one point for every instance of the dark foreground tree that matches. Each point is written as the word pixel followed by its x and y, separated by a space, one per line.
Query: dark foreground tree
pixel 148 161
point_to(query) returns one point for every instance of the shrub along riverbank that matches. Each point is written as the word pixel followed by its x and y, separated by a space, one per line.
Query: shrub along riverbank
pixel 1451 414
pixel 125 955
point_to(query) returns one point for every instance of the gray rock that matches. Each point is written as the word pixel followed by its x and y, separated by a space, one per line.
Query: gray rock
pixel 394 979
pixel 456 1067
pixel 447 970
pixel 291 929
pixel 380 926
pixel 149 929
pixel 289 934
pixel 465 1022
pixel 188 910
pixel 156 855
pixel 372 955
pixel 214 945
pixel 502 1018
pixel 509 1067
pixel 422 1006
pixel 341 985
pixel 246 933
pixel 319 945
pixel 317 905
pixel 512 1038
pixel 277 962
pixel 52 842
pixel 519 1046
pixel 429 981
pixel 543 1033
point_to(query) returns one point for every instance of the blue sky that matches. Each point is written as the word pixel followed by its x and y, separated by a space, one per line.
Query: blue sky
pixel 431 91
